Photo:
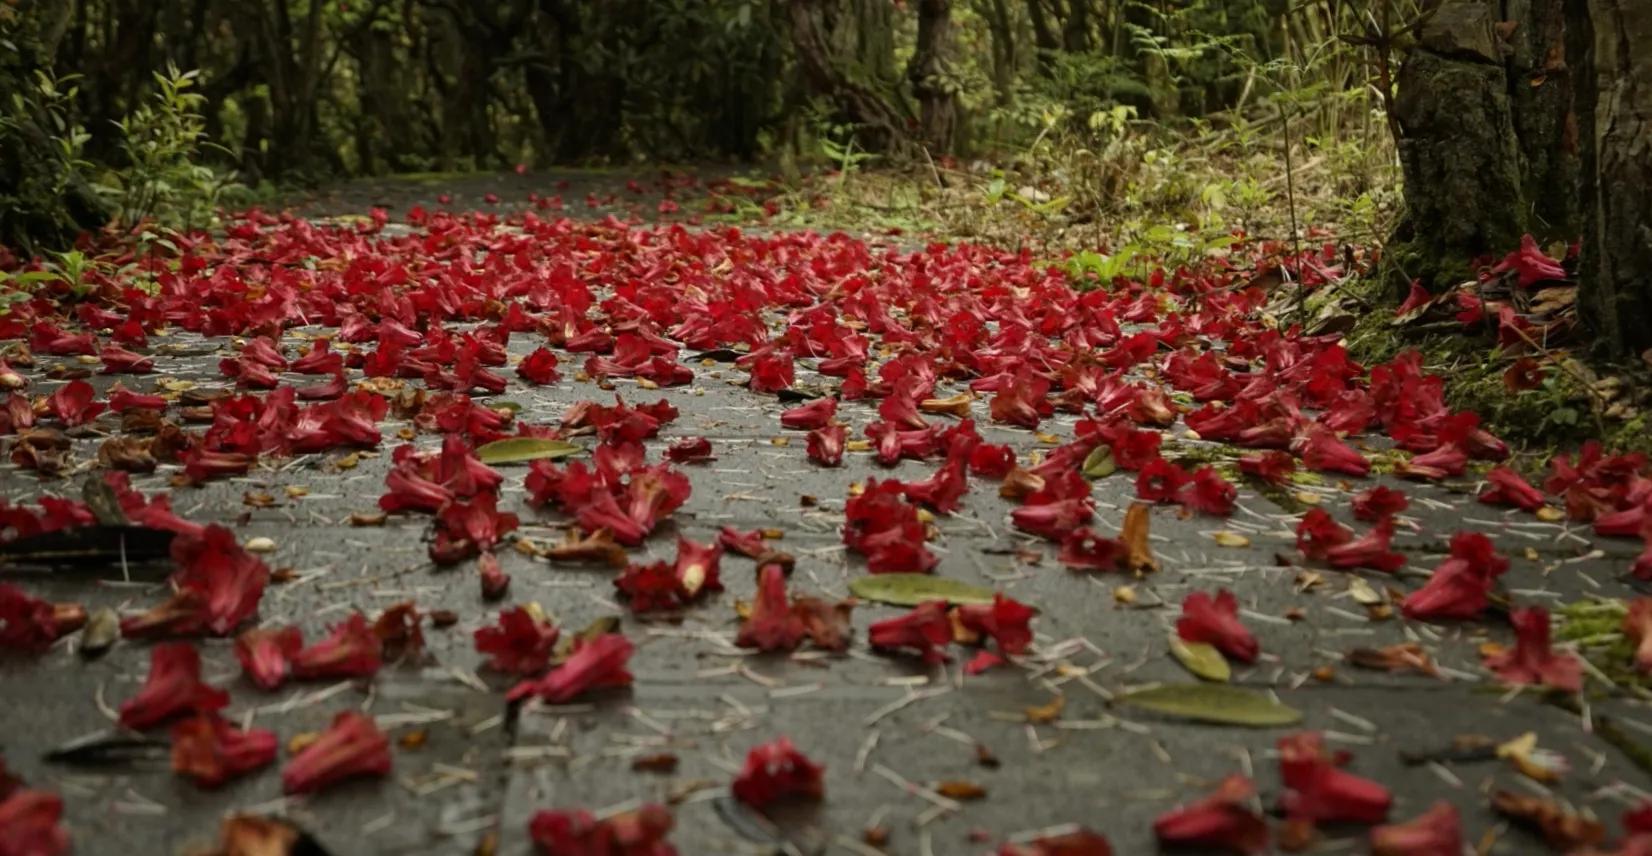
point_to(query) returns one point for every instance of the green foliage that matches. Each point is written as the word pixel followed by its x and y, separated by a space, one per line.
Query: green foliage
pixel 164 177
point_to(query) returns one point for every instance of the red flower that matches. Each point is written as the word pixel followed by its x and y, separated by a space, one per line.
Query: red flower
pixel 1508 488
pixel 1160 481
pixel 886 530
pixel 900 408
pixel 1082 842
pixel 1317 533
pixel 993 462
pixel 1459 587
pixel 594 664
pixel 409 491
pixel 689 450
pixel 352 746
pixel 351 650
pixel 1436 832
pixel 266 655
pixel 771 371
pixel 1223 821
pixel 538 367
pixel 73 403
pixel 211 751
pixel 649 588
pixel 1275 468
pixel 777 771
pixel 1448 460
pixel 469 528
pixel 925 629
pixel 577 833
pixel 1316 790
pixel 807 417
pixel 1321 450
pixel 1637 627
pixel 521 643
pixel 202 465
pixel 1215 621
pixel 1054 520
pixel 28 825
pixel 1084 549
pixel 122 400
pixel 696 568
pixel 1208 493
pixel 942 490
pixel 118 360
pixel 1134 448
pixel 1532 661
pixel 32 625
pixel 1530 264
pixel 321 359
pixel 1006 620
pixel 1024 402
pixel 825 445
pixel 1368 551
pixel 173 688
pixel 1378 503
pixel 771 625
pixel 1418 298
pixel 229 579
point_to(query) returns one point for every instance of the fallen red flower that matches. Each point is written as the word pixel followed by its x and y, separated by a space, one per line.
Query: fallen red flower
pixel 1317 791
pixel 1533 661
pixel 1221 821
pixel 993 462
pixel 689 450
pixel 808 417
pixel 1086 550
pixel 777 771
pixel 118 360
pixel 74 403
pixel 1508 488
pixel 1005 620
pixel 173 688
pixel 771 625
pixel 538 367
pixel 1378 503
pixel 1081 842
pixel 641 832
pixel 594 664
pixel 942 490
pixel 30 624
pixel 1436 832
pixel 1321 450
pixel 1461 585
pixel 211 751
pixel 351 747
pixel 1370 550
pixel 1274 467
pixel 1318 533
pixel 1160 481
pixel 925 630
pixel 351 650
pixel 1637 627
pixel 521 643
pixel 649 588
pixel 1208 493
pixel 229 579
pixel 1530 264
pixel 29 825
pixel 696 568
pixel 825 445
pixel 266 654
pixel 1215 621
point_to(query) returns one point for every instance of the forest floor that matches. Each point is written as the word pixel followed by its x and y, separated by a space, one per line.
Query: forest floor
pixel 919 758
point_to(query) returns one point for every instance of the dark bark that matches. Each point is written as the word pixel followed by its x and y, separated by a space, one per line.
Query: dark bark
pixel 932 84
pixel 882 114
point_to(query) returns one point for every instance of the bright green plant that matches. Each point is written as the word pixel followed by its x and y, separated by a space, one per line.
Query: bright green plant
pixel 164 178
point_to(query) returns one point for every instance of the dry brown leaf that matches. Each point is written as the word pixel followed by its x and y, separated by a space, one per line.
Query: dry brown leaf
pixel 959 789
pixel 1046 713
pixel 1562 829
pixel 1138 553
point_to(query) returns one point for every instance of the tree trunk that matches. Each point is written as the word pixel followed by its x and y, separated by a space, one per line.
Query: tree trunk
pixel 932 84
pixel 1614 92
pixel 883 115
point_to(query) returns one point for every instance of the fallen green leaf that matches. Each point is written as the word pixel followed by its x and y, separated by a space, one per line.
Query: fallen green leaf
pixel 913 589
pixel 1203 660
pixel 1218 703
pixel 516 450
pixel 1099 464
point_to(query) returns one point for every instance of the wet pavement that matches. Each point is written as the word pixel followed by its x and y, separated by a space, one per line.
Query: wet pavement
pixel 887 730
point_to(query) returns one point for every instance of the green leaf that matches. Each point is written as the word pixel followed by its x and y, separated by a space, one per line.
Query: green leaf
pixel 1099 464
pixel 913 589
pixel 1203 660
pixel 1218 703
pixel 516 450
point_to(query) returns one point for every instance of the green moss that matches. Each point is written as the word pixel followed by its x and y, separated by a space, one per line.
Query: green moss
pixel 1596 627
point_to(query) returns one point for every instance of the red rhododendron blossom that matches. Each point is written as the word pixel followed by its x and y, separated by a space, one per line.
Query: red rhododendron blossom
pixel 351 650
pixel 520 644
pixel 1416 299
pixel 204 465
pixel 1275 468
pixel 1160 481
pixel 173 688
pixel 48 338
pixel 1637 628
pixel 943 490
pixel 696 568
pixel 1221 821
pixel 122 400
pixel 1446 461
pixel 771 625
pixel 229 579
pixel 594 664
pixel 73 403
pixel 776 772
pixel 1215 622
pixel 1461 585
pixel 825 445
pixel 1053 520
pixel 641 832
pixel 1508 488
pixel 118 360
pixel 807 417
pixel 351 747
pixel 1081 842
pixel 211 751
pixel 1378 503
pixel 1318 533
pixel 901 408
pixel 1006 620
pixel 1321 450
pixel 993 462
pixel 31 625
pixel 1436 832
pixel 1318 791
pixel 1533 661
pixel 1370 550
pixel 409 491
pixel 1023 403
pixel 266 654
pixel 689 450
pixel 1208 493
pixel 886 530
pixel 29 825
pixel 771 371
pixel 469 528
pixel 926 630
pixel 649 588
pixel 1530 264
pixel 1083 549
pixel 538 367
